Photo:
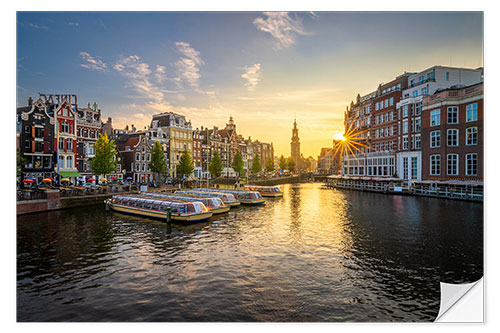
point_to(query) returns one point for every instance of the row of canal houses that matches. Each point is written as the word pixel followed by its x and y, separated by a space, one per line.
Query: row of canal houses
pixel 176 134
pixel 56 138
pixel 425 126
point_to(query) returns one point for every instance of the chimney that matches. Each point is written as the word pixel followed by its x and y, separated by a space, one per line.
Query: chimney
pixel 30 101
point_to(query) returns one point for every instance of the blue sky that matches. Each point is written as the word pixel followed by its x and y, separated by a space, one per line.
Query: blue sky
pixel 261 68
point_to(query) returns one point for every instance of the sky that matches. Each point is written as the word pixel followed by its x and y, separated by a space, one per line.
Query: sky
pixel 261 68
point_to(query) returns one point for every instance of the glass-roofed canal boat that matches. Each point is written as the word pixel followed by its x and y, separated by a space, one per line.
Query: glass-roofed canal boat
pixel 227 198
pixel 245 197
pixel 181 211
pixel 215 205
pixel 265 191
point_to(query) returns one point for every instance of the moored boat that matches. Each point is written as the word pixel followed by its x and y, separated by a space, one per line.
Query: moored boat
pixel 157 208
pixel 265 191
pixel 245 197
pixel 215 205
pixel 227 198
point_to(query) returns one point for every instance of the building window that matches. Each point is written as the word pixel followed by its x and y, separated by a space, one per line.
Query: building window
pixel 418 124
pixel 64 127
pixel 452 115
pixel 452 164
pixel 424 91
pixel 386 103
pixel 61 161
pixel 435 139
pixel 471 112
pixel 70 144
pixel 137 157
pixel 471 136
pixel 69 162
pixel 405 126
pixel 376 106
pixel 61 143
pixel 418 142
pixel 435 165
pixel 452 138
pixel 418 108
pixel 415 93
pixel 91 149
pixel 391 101
pixel 414 168
pixel 405 142
pixel 447 76
pixel 405 111
pixel 435 117
pixel 471 164
pixel 405 167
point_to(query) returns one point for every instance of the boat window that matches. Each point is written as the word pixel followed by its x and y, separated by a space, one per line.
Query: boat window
pixel 190 208
pixel 155 206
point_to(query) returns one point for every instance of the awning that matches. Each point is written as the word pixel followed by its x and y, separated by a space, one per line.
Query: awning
pixel 69 174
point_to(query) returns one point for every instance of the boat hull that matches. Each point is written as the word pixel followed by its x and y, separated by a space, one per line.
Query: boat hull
pixel 273 195
pixel 253 202
pixel 220 210
pixel 160 215
pixel 232 203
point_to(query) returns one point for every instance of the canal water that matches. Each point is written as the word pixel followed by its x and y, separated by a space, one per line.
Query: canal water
pixel 313 255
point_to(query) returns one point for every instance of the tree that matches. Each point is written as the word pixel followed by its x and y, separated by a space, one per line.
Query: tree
pixel 104 161
pixel 158 162
pixel 186 165
pixel 256 167
pixel 20 162
pixel 291 164
pixel 215 166
pixel 282 163
pixel 270 165
pixel 308 165
pixel 238 163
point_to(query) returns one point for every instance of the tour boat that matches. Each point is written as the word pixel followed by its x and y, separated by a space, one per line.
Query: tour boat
pixel 158 208
pixel 215 205
pixel 245 197
pixel 265 191
pixel 227 198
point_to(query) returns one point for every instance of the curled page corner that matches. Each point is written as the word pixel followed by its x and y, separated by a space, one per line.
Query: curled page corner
pixel 461 302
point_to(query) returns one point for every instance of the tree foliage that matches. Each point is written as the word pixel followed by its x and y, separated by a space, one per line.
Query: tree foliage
pixel 104 162
pixel 238 163
pixel 20 162
pixel 215 166
pixel 282 162
pixel 256 166
pixel 158 162
pixel 270 165
pixel 291 164
pixel 186 164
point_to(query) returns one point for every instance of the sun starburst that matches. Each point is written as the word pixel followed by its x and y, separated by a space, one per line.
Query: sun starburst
pixel 349 142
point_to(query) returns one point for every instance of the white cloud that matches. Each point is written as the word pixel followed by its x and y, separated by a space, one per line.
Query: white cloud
pixel 90 62
pixel 160 74
pixel 281 26
pixel 36 26
pixel 252 75
pixel 187 66
pixel 132 68
pixel 75 24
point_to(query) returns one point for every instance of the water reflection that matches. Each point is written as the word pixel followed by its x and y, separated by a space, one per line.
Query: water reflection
pixel 313 255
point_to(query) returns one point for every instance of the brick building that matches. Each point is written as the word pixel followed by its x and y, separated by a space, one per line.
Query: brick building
pixel 452 134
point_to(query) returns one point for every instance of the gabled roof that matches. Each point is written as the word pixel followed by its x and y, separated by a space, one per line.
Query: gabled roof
pixel 131 142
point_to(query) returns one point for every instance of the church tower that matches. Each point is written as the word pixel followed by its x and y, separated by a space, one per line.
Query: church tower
pixel 295 144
